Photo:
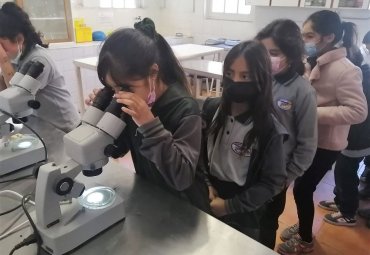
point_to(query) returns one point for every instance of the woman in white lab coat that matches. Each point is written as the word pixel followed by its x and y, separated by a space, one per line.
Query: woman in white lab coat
pixel 19 44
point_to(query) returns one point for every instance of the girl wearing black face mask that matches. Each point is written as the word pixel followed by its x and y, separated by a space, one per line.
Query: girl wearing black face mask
pixel 242 151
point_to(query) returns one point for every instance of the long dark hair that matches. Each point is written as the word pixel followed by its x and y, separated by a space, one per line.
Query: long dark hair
pixel 129 53
pixel 366 39
pixel 14 21
pixel 258 61
pixel 328 22
pixel 286 34
pixel 356 58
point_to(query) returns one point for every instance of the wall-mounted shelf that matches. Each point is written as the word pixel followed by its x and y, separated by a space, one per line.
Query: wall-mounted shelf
pixel 53 19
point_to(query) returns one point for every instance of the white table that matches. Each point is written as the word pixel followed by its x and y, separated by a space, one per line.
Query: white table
pixel 210 69
pixel 182 52
pixel 191 51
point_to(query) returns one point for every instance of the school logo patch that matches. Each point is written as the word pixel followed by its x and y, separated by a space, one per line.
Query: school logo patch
pixel 237 148
pixel 284 104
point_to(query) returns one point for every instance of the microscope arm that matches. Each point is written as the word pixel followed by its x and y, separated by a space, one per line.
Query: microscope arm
pixel 54 184
pixel 5 128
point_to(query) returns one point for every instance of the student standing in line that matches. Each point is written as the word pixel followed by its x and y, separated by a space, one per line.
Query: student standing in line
pixel 163 121
pixel 243 142
pixel 346 201
pixel 365 176
pixel 19 44
pixel 294 101
pixel 340 104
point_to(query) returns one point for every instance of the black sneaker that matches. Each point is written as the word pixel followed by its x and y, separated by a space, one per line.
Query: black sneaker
pixel 328 205
pixel 339 220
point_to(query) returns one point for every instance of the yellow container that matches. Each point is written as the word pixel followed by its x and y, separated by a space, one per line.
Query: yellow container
pixel 80 22
pixel 83 34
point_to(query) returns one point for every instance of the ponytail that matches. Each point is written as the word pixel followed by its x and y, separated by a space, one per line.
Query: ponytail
pixel 170 68
pixel 349 34
pixel 14 21
pixel 350 41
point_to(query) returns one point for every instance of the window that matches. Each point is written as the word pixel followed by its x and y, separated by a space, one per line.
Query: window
pixel 229 10
pixel 117 4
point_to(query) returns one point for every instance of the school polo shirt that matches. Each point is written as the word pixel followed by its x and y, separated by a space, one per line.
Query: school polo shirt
pixel 226 160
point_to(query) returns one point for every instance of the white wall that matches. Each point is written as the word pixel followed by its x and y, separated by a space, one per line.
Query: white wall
pixel 195 23
pixel 181 16
pixel 109 19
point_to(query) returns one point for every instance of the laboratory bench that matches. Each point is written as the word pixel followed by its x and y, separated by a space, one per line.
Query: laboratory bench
pixel 156 223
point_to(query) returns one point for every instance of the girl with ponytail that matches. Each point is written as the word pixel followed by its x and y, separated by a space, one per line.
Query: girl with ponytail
pixel 340 104
pixel 19 44
pixel 163 122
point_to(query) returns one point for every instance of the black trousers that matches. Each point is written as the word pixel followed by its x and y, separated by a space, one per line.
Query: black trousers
pixel 305 186
pixel 346 184
pixel 270 220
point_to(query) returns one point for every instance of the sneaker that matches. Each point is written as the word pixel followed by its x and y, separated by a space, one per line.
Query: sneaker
pixel 364 194
pixel 364 213
pixel 338 219
pixel 328 205
pixel 295 246
pixel 289 232
pixel 364 174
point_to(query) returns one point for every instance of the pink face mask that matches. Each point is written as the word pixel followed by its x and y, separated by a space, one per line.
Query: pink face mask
pixel 151 96
pixel 277 65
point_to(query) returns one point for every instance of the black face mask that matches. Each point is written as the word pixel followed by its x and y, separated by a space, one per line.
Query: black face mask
pixel 240 92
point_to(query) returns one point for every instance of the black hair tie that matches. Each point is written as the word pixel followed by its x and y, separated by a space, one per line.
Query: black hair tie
pixel 147 27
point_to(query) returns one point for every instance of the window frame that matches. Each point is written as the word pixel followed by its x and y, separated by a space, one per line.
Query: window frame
pixel 228 16
pixel 137 3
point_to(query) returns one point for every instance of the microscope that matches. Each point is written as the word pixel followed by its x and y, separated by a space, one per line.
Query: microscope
pixel 17 152
pixel 63 227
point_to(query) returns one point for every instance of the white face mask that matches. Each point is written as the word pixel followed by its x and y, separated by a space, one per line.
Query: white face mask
pixel 15 60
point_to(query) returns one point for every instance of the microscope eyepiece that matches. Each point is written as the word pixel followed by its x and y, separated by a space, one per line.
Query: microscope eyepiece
pixel 103 98
pixel 115 109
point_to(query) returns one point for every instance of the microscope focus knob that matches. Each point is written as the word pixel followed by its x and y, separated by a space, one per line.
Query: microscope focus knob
pixel 64 186
pixel 34 104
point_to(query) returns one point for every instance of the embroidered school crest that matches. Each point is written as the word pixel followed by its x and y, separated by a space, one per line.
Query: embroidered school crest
pixel 237 148
pixel 284 104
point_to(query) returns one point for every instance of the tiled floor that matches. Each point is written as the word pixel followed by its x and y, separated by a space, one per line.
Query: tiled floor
pixel 329 239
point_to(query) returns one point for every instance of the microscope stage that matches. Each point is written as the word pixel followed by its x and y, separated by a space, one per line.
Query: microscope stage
pixel 12 160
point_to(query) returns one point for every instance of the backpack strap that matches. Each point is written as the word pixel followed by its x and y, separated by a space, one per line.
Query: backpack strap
pixel 209 109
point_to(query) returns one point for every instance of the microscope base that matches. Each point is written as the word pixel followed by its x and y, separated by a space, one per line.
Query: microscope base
pixel 78 225
pixel 15 160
